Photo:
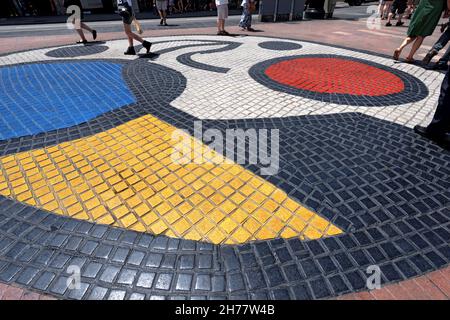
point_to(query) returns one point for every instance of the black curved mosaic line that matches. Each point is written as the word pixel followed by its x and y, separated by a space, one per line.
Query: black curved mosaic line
pixel 197 43
pixel 279 45
pixel 415 90
pixel 385 186
pixel 76 51
pixel 186 58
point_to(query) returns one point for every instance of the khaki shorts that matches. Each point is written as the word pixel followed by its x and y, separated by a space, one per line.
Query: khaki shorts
pixel 161 5
pixel 222 11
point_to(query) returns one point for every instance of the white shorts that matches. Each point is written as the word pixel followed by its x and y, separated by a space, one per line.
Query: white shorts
pixel 161 5
pixel 222 11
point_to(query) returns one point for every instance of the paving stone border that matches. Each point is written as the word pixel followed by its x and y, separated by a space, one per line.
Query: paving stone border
pixel 387 188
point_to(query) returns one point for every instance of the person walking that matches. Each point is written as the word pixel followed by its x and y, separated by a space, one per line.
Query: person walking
pixel 79 25
pixel 125 8
pixel 161 6
pixel 423 23
pixel 412 5
pixel 442 64
pixel 398 7
pixel 248 7
pixel 439 128
pixel 222 15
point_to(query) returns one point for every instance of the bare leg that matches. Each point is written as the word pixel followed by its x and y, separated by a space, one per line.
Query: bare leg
pixel 81 34
pixel 380 10
pixel 221 25
pixel 131 36
pixel 406 42
pixel 399 50
pixel 387 7
pixel 78 29
pixel 85 27
pixel 163 15
pixel 389 18
pixel 415 47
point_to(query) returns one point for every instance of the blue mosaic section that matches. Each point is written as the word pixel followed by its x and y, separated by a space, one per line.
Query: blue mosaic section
pixel 43 97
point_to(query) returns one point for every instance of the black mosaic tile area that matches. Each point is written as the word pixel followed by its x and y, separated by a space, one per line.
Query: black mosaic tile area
pixel 279 45
pixel 76 51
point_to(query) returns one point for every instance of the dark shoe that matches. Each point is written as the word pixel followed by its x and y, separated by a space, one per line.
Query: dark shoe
pixel 147 45
pixel 399 23
pixel 424 132
pixel 397 53
pixel 82 41
pixel 251 29
pixel 130 52
pixel 220 33
pixel 429 56
pixel 446 142
pixel 388 24
pixel 225 33
pixel 441 65
pixel 161 22
pixel 94 34
pixel 165 24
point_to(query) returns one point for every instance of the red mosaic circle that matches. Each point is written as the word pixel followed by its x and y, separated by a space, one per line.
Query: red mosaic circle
pixel 335 75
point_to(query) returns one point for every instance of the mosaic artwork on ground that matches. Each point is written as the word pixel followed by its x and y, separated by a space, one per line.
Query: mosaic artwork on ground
pixel 87 177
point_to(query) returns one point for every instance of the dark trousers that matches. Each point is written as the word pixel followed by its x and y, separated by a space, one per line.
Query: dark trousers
pixel 441 43
pixel 441 120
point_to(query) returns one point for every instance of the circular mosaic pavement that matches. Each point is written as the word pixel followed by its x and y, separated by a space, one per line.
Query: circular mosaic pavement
pixel 76 51
pixel 355 186
pixel 340 80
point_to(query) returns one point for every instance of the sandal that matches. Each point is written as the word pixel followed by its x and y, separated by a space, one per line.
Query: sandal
pixel 397 53
pixel 410 60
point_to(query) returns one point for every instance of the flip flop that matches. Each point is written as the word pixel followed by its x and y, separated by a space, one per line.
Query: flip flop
pixel 396 54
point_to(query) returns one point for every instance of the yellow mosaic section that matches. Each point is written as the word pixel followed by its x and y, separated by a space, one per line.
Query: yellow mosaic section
pixel 125 177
